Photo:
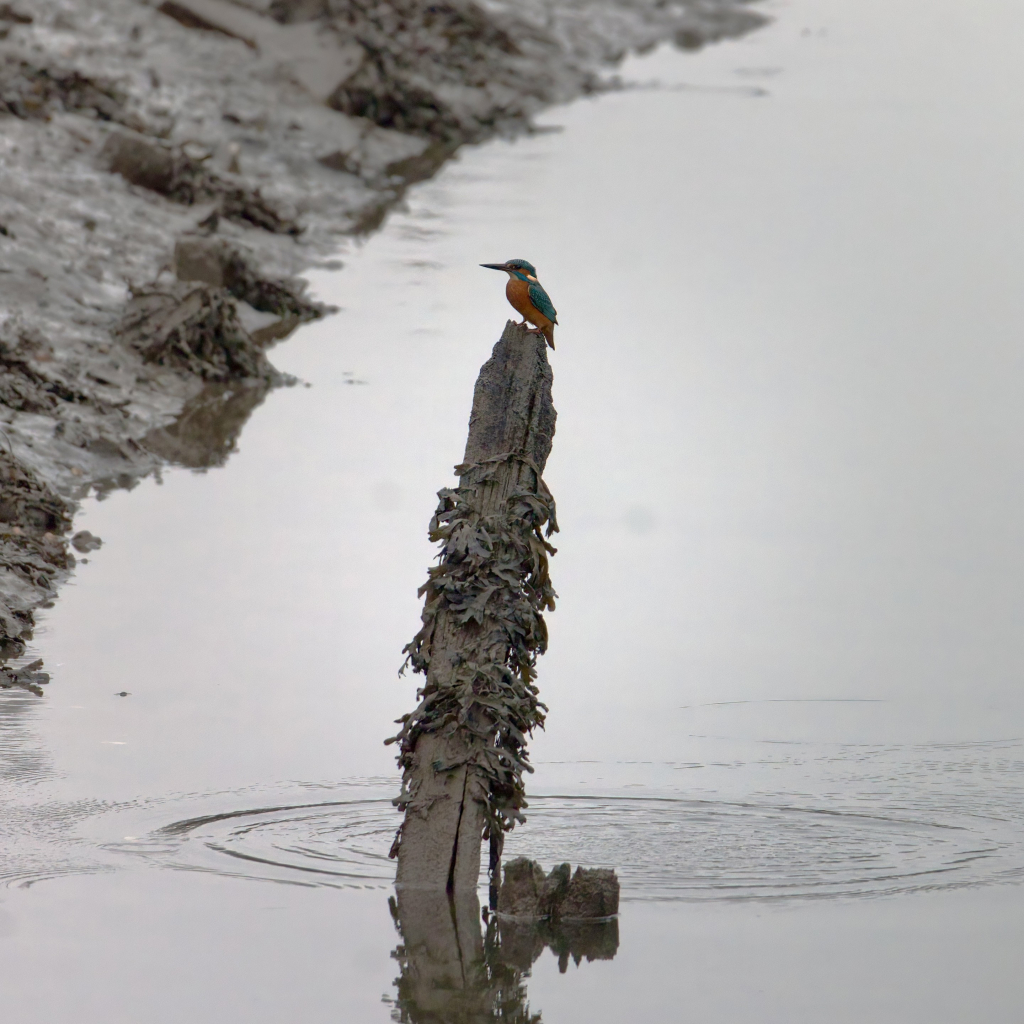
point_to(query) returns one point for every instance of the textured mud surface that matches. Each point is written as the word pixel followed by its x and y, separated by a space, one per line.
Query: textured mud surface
pixel 168 171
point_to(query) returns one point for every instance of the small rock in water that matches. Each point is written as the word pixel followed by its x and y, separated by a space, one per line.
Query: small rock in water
pixel 527 893
pixel 84 541
pixel 591 893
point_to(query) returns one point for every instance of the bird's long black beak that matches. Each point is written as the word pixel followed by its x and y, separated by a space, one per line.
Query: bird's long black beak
pixel 493 266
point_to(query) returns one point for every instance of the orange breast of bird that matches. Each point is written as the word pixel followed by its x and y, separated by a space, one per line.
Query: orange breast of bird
pixel 518 294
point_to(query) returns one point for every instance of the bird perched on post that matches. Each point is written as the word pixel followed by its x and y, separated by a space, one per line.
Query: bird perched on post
pixel 527 296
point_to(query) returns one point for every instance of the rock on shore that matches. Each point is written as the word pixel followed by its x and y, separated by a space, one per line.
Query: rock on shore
pixel 169 168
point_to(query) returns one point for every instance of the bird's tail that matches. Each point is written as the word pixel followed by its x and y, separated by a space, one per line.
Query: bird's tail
pixel 549 334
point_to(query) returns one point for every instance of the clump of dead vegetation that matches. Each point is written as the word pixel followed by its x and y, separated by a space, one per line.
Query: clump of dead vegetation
pixel 31 91
pixel 33 551
pixel 194 327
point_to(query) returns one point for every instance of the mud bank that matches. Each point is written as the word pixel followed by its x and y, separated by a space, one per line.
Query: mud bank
pixel 169 169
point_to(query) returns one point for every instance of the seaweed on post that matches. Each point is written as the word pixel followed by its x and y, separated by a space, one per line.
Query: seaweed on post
pixel 464 748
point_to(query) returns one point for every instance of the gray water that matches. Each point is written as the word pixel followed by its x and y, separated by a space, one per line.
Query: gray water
pixel 784 674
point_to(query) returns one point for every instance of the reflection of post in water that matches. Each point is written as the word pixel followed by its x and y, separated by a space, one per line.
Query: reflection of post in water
pixel 454 972
pixel 448 971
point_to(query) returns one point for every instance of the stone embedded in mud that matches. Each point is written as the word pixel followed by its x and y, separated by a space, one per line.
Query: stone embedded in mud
pixel 216 262
pixel 141 161
pixel 527 893
pixel 171 172
pixel 202 259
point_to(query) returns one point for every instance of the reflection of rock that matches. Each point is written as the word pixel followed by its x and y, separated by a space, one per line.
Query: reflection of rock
pixel 452 972
pixel 522 942
pixel 204 435
pixel 527 893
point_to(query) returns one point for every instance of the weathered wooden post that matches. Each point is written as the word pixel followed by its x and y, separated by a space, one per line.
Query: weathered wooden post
pixel 463 750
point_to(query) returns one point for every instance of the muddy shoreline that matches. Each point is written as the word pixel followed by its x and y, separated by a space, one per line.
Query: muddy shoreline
pixel 170 169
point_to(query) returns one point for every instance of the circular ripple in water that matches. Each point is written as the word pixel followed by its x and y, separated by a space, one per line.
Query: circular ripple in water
pixel 662 848
pixel 685 849
pixel 340 843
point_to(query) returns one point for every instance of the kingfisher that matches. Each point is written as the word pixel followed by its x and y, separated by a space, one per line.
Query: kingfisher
pixel 527 296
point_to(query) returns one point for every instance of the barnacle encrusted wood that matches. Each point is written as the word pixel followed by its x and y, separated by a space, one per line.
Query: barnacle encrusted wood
pixel 463 750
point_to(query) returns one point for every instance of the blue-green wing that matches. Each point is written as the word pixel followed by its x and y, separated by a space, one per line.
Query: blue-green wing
pixel 542 303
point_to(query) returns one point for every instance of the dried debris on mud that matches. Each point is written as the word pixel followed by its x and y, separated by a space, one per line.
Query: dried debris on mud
pixel 171 168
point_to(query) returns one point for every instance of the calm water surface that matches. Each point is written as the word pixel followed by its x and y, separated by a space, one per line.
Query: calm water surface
pixel 785 670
